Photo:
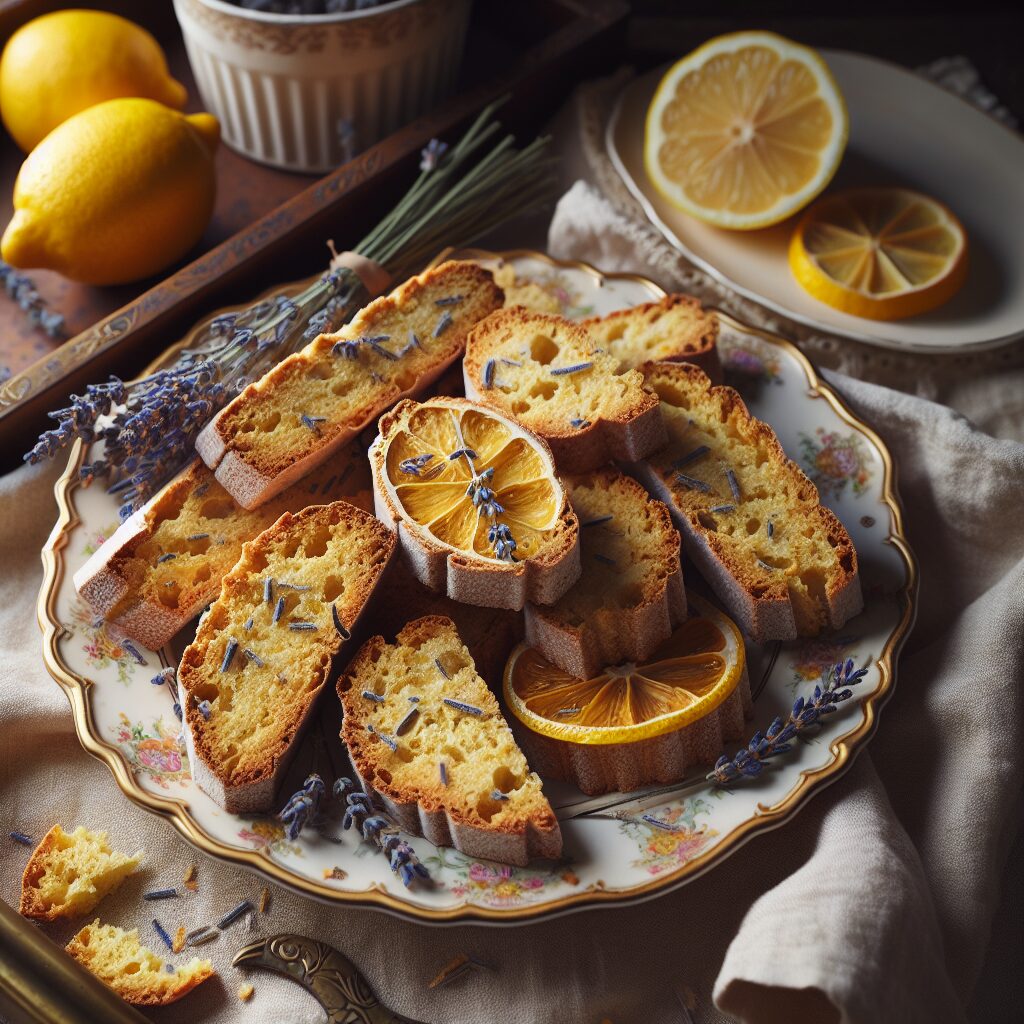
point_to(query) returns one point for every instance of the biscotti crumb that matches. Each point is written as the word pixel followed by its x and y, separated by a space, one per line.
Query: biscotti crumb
pixel 245 992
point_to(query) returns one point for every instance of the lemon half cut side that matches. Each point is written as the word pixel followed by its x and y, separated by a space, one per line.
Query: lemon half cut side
pixel 745 131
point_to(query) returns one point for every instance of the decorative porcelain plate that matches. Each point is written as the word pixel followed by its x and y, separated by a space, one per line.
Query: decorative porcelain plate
pixel 612 854
pixel 902 129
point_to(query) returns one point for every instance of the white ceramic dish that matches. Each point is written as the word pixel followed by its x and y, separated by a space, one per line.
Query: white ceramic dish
pixel 282 85
pixel 611 855
pixel 904 130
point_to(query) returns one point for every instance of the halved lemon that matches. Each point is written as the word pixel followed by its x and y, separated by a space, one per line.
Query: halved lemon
pixel 444 451
pixel 688 677
pixel 881 253
pixel 745 131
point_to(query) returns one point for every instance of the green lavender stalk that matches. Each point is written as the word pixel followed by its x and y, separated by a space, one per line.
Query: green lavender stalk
pixel 460 194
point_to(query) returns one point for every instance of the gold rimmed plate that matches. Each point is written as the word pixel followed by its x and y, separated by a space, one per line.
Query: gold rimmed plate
pixel 612 854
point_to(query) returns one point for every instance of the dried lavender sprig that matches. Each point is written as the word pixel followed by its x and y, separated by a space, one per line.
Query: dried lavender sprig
pixel 461 194
pixel 749 762
pixel 302 806
pixel 375 828
pixel 20 288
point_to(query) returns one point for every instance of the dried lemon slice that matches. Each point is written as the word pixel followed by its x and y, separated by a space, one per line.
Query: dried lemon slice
pixel 745 131
pixel 881 253
pixel 693 672
pixel 480 512
pixel 628 726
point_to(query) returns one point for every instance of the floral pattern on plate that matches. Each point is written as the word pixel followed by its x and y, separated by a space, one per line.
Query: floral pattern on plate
pixel 100 649
pixel 676 839
pixel 833 460
pixel 154 751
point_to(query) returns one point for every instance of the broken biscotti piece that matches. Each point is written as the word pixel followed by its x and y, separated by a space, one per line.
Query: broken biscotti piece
pixel 314 401
pixel 134 972
pixel 547 373
pixel 428 742
pixel 165 563
pixel 481 516
pixel 751 521
pixel 69 873
pixel 630 595
pixel 675 329
pixel 264 650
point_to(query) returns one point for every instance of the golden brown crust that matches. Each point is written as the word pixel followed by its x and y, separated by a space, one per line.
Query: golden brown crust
pixel 246 780
pixel 631 593
pixel 676 328
pixel 32 904
pixel 463 576
pixel 815 584
pixel 258 443
pixel 514 363
pixel 162 990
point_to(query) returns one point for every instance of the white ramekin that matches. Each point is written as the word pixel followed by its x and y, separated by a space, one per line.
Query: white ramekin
pixel 284 85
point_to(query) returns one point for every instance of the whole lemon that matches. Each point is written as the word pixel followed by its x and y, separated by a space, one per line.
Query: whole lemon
pixel 115 193
pixel 64 62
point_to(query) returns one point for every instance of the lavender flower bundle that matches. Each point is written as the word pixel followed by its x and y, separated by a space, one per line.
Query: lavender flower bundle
pixel 460 194
pixel 749 762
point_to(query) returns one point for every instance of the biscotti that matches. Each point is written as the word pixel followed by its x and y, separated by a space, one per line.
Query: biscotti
pixel 70 872
pixel 630 595
pixel 547 373
pixel 429 743
pixel 314 401
pixel 751 521
pixel 134 972
pixel 480 514
pixel 674 329
pixel 165 563
pixel 264 649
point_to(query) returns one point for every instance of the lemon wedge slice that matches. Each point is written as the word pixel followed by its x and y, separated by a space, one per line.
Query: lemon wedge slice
pixel 880 253
pixel 745 131
pixel 688 677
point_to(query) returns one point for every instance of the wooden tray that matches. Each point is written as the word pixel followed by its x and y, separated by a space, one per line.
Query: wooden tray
pixel 271 225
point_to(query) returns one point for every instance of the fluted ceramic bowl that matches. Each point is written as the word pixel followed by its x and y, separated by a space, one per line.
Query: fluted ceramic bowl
pixel 304 92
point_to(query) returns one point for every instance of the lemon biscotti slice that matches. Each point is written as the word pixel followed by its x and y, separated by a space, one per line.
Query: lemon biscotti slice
pixel 263 651
pixel 546 372
pixel 69 873
pixel 314 401
pixel 164 564
pixel 751 520
pixel 630 594
pixel 134 972
pixel 675 329
pixel 429 743
pixel 480 514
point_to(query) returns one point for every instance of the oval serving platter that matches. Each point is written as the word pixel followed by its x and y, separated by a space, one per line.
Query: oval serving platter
pixel 612 854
